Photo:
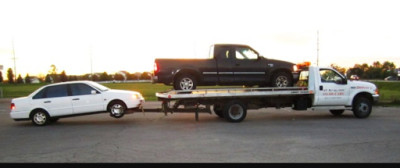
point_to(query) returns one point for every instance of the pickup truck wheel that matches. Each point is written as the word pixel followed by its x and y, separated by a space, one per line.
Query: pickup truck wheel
pixel 185 82
pixel 117 109
pixel 362 107
pixel 281 79
pixel 218 110
pixel 40 118
pixel 337 112
pixel 235 111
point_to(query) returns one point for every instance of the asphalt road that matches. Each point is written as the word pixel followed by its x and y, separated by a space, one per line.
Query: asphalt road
pixel 265 136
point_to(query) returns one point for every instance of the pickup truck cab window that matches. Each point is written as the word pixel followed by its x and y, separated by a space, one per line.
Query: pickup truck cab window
pixel 246 53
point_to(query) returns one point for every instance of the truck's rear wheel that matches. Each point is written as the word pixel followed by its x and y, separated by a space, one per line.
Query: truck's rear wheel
pixel 282 79
pixel 185 82
pixel 235 111
pixel 337 112
pixel 362 107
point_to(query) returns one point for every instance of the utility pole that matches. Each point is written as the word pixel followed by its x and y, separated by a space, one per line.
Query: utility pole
pixel 317 47
pixel 91 61
pixel 15 64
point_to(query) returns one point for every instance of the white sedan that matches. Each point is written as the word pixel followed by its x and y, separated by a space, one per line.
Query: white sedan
pixel 66 99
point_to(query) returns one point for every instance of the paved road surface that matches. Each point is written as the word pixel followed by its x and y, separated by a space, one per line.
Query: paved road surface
pixel 265 136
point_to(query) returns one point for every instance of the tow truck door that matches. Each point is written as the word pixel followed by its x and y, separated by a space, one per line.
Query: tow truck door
pixel 332 88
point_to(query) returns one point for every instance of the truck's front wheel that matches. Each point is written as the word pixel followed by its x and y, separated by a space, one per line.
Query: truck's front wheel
pixel 185 82
pixel 362 107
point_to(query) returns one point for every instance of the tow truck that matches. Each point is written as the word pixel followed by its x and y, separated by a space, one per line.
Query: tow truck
pixel 317 88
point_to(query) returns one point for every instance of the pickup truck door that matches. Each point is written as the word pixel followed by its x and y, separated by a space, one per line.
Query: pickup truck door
pixel 248 67
pixel 225 63
pixel 332 89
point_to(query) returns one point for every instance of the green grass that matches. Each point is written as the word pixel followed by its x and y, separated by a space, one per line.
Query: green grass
pixel 389 91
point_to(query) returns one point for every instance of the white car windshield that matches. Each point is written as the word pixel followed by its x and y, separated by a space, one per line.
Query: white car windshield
pixel 99 86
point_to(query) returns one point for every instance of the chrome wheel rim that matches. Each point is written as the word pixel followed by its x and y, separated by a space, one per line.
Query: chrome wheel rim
pixel 40 118
pixel 186 84
pixel 236 112
pixel 117 109
pixel 281 81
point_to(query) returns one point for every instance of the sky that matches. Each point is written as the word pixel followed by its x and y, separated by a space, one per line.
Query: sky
pixel 84 36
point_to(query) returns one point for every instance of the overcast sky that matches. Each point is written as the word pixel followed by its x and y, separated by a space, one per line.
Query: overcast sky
pixel 80 36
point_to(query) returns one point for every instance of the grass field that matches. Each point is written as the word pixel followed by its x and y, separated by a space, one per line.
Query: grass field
pixel 389 91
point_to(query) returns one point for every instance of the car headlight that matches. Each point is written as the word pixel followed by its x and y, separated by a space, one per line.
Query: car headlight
pixel 137 96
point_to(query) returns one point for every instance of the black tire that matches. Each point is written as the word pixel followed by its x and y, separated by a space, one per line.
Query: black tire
pixel 235 111
pixel 117 109
pixel 218 110
pixel 362 107
pixel 281 79
pixel 336 112
pixel 40 118
pixel 185 82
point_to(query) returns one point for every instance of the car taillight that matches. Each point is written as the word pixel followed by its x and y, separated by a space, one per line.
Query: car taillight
pixel 156 68
pixel 12 106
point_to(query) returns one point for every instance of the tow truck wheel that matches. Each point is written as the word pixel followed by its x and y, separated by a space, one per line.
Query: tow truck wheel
pixel 117 109
pixel 282 79
pixel 362 107
pixel 185 82
pixel 235 111
pixel 337 112
pixel 218 110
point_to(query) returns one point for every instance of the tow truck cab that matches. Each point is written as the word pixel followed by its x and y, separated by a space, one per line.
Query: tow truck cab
pixel 331 89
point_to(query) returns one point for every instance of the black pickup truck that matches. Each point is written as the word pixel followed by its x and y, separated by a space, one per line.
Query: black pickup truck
pixel 229 64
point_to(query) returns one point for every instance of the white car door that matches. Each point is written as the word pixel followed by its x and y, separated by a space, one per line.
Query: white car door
pixel 333 89
pixel 55 100
pixel 86 99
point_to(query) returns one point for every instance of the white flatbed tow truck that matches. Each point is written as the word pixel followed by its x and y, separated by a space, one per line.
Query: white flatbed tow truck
pixel 317 88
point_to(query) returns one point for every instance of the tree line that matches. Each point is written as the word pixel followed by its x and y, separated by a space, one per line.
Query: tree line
pixel 377 70
pixel 54 77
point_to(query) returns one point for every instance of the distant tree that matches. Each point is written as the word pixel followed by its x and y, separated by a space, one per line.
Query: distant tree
pixel 27 79
pixel 48 79
pixel 145 76
pixel 72 78
pixel 53 69
pixel 339 69
pixel 95 77
pixel 104 77
pixel 388 69
pixel 1 77
pixel 119 76
pixel 10 76
pixel 63 76
pixel 19 79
